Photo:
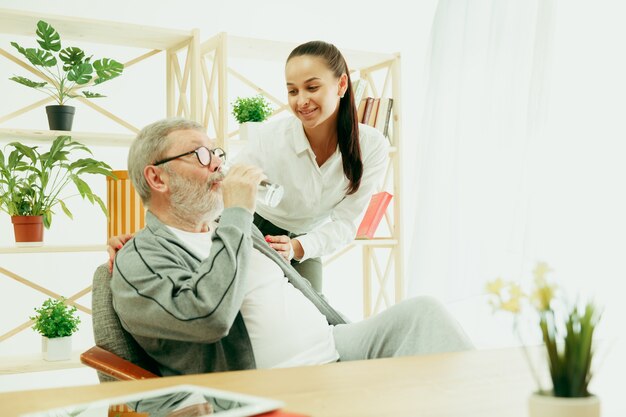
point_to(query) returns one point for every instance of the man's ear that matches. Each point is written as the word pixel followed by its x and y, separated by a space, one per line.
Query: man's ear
pixel 156 178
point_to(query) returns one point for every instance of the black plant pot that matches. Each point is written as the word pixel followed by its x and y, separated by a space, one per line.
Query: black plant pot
pixel 60 117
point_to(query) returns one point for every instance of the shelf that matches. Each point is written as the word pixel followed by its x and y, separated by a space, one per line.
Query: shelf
pixel 35 363
pixel 47 136
pixel 99 31
pixel 53 249
pixel 377 241
pixel 267 50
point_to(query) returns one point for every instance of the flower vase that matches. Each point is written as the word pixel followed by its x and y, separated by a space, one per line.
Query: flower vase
pixel 550 406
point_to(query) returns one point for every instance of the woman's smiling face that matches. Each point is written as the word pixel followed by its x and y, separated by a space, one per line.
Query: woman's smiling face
pixel 313 90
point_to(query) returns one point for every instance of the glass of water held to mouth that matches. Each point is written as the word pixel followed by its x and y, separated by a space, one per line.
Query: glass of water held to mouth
pixel 267 193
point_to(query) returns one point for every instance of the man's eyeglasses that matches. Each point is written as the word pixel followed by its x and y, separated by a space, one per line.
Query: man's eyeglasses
pixel 202 153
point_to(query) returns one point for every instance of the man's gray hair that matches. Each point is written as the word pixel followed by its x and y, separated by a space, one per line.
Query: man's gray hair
pixel 149 146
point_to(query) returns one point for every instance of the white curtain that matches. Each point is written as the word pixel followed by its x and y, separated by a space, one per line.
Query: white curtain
pixel 486 97
pixel 521 156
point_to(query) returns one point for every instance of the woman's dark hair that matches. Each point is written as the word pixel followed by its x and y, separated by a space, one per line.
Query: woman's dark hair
pixel 347 120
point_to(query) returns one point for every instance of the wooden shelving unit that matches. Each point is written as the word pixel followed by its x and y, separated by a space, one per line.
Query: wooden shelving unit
pixel 183 98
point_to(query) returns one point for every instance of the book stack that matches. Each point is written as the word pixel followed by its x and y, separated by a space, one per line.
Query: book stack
pixel 376 112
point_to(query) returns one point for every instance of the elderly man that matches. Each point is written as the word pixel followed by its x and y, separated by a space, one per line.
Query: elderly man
pixel 201 295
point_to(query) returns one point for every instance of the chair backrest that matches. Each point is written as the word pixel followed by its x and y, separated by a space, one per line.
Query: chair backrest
pixel 107 329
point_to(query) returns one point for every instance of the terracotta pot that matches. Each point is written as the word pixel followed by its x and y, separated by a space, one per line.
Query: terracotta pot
pixel 550 406
pixel 28 230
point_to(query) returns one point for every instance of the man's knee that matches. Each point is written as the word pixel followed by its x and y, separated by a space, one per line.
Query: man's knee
pixel 426 305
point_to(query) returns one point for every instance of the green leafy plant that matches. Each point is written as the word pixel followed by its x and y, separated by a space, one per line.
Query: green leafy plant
pixel 251 109
pixel 55 319
pixel 64 69
pixel 31 182
pixel 567 330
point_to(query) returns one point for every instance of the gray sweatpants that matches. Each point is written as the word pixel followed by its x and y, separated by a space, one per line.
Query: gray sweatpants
pixel 415 326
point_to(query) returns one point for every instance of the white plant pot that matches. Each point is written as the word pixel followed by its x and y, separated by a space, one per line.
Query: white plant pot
pixel 550 406
pixel 56 349
pixel 249 131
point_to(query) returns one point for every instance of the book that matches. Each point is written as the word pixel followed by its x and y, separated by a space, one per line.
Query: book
pixel 374 213
pixel 384 114
pixel 361 109
pixel 387 118
pixel 358 89
pixel 374 112
pixel 367 110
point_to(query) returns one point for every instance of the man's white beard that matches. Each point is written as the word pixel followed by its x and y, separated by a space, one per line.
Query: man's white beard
pixel 193 201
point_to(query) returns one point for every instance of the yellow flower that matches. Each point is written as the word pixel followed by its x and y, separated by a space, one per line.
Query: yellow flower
pixel 512 305
pixel 542 296
pixel 544 292
pixel 505 296
pixel 495 286
pixel 540 271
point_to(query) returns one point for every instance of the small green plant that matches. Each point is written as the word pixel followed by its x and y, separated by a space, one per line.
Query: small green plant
pixel 64 69
pixel 55 319
pixel 567 330
pixel 251 109
pixel 31 182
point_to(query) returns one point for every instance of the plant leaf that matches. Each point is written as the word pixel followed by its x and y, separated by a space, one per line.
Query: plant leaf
pixel 28 83
pixel 47 218
pixel 102 205
pixel 30 153
pixel 80 73
pixel 50 38
pixel 89 94
pixel 81 186
pixel 37 57
pixel 65 209
pixel 107 69
pixel 71 56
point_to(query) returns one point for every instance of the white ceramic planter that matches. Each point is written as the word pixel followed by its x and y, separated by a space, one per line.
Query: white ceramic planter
pixel 249 130
pixel 56 349
pixel 550 406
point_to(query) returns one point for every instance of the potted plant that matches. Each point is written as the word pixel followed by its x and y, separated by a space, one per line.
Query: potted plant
pixel 31 183
pixel 56 322
pixel 250 110
pixel 64 69
pixel 567 332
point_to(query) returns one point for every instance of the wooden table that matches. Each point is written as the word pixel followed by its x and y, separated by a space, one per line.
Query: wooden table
pixel 485 383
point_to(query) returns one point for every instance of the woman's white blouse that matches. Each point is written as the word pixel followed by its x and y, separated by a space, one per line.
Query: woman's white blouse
pixel 315 202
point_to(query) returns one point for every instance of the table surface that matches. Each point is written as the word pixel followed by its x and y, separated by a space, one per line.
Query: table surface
pixel 481 383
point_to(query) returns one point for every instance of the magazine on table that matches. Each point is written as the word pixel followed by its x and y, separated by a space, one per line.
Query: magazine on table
pixel 175 401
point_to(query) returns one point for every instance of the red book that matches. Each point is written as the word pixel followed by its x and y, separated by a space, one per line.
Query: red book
pixel 373 113
pixel 373 215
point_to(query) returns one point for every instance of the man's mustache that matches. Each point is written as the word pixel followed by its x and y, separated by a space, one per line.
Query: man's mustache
pixel 215 177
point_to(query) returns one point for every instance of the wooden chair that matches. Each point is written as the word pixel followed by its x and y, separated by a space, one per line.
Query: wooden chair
pixel 116 356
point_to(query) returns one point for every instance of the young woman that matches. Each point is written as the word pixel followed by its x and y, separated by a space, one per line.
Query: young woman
pixel 329 164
